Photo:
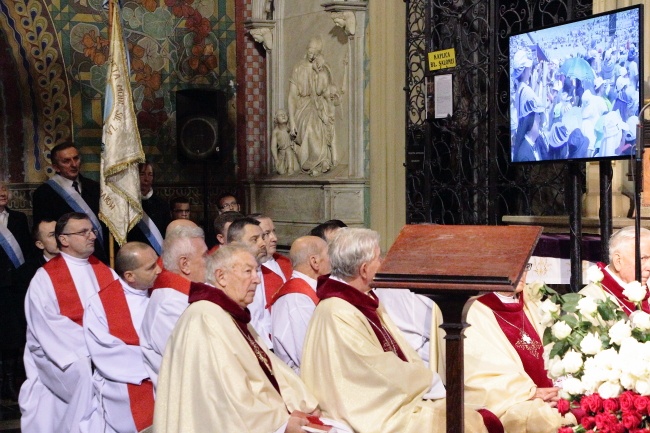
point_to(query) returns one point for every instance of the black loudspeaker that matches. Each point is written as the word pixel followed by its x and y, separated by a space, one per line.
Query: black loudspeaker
pixel 203 131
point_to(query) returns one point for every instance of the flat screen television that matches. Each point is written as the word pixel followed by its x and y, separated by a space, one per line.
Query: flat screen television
pixel 576 88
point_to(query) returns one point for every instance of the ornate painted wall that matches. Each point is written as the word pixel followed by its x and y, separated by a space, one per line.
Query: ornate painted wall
pixel 54 67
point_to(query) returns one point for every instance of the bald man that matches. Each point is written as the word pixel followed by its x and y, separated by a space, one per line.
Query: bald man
pixel 120 380
pixel 183 258
pixel 294 304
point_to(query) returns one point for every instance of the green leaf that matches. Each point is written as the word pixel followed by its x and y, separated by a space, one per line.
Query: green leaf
pixel 570 320
pixel 98 77
pixel 570 304
pixel 605 312
pixel 158 24
pixel 205 7
pixel 584 326
pixel 560 348
pixel 548 336
pixel 188 43
pixel 77 33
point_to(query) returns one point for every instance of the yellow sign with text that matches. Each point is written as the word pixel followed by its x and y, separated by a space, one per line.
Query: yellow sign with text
pixel 442 59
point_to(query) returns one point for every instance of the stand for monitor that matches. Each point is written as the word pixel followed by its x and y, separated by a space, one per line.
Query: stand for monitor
pixel 638 189
pixel 449 264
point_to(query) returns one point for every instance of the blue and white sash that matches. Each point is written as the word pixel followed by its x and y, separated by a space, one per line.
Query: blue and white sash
pixel 9 243
pixel 77 203
pixel 151 232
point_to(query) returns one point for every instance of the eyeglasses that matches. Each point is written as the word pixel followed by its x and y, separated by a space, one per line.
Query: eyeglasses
pixel 529 266
pixel 85 233
pixel 232 205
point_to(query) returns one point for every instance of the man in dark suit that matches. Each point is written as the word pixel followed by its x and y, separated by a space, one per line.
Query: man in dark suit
pixel 15 273
pixel 69 191
pixel 151 228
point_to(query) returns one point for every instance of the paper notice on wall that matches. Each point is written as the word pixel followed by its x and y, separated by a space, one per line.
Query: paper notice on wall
pixel 443 96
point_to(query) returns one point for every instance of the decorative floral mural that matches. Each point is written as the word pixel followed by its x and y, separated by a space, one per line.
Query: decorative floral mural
pixel 173 44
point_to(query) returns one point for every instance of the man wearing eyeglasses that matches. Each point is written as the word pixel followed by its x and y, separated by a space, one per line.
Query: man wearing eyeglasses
pixel 227 202
pixel 69 191
pixel 57 395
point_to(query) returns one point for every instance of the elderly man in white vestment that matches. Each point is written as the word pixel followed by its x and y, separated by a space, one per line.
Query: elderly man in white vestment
pixel 355 360
pixel 248 232
pixel 183 258
pixel 293 305
pixel 57 395
pixel 123 392
pixel 512 381
pixel 216 373
pixel 621 269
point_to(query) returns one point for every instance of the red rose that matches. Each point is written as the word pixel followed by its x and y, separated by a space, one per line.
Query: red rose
pixel 641 404
pixel 563 406
pixel 626 401
pixel 611 405
pixel 631 420
pixel 606 422
pixel 588 422
pixel 591 403
pixel 565 430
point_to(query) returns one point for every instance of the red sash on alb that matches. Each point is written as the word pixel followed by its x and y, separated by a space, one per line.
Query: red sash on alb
pixel 167 279
pixel 285 265
pixel 615 289
pixel 294 285
pixel 272 282
pixel 65 290
pixel 120 325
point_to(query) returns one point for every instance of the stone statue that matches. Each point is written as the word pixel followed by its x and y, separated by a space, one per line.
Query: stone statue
pixel 284 155
pixel 264 36
pixel 261 9
pixel 346 20
pixel 311 104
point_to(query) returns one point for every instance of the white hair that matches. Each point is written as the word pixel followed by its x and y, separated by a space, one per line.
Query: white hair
pixel 178 243
pixel 224 258
pixel 621 239
pixel 350 248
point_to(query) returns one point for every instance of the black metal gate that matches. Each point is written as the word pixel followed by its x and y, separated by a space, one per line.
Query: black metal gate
pixel 458 169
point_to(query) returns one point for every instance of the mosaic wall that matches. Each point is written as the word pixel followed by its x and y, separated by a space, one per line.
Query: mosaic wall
pixel 60 49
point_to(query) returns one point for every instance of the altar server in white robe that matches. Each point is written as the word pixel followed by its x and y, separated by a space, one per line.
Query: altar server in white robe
pixel 57 395
pixel 184 252
pixel 216 372
pixel 123 392
pixel 418 317
pixel 293 305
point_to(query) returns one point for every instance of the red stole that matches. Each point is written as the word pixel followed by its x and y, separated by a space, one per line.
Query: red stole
pixel 214 249
pixel 168 279
pixel 120 325
pixel 272 281
pixel 241 317
pixel 294 285
pixel 513 313
pixel 285 265
pixel 614 288
pixel 64 288
pixel 366 304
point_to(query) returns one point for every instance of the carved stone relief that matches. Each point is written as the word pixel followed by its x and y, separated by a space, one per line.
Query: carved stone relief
pixel 317 75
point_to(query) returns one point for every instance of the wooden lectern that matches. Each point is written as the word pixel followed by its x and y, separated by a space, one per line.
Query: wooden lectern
pixel 450 264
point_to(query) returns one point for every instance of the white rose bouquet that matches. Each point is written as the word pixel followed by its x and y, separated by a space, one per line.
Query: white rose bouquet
pixel 599 355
